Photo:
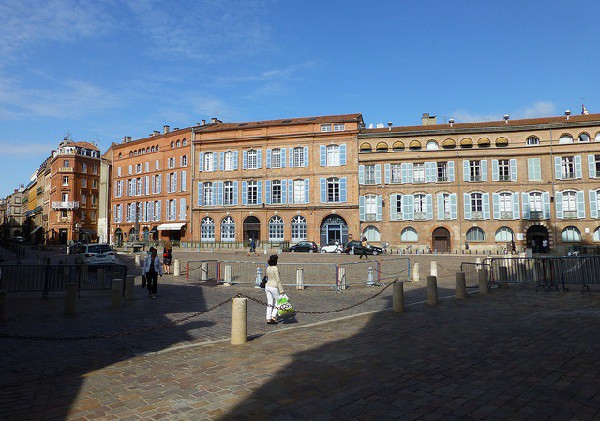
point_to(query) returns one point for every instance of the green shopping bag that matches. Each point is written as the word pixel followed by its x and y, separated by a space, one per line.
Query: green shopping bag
pixel 284 306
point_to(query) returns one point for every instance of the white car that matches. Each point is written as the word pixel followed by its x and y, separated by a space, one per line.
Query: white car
pixel 332 247
pixel 95 254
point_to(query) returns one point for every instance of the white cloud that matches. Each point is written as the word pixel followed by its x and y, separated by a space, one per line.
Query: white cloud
pixel 538 109
pixel 26 149
pixel 465 116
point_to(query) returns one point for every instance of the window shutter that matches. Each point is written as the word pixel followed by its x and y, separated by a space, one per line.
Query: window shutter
pixel 260 199
pixel 379 208
pixel 215 157
pixel 200 194
pixel 183 180
pixel 158 215
pixel 466 173
pixel 221 161
pixel 430 172
pixel 306 190
pixel 377 174
pixel 244 193
pixel 467 205
pixel 201 162
pixel 526 207
pixel 323 156
pixel 220 193
pixel 580 205
pixel 578 172
pixel 403 173
pixel 513 170
pixel 495 175
pixel 546 204
pixel 557 167
pixel 130 169
pixel 559 205
pixel 259 158
pixel 291 157
pixel 282 159
pixel 291 190
pixel 268 163
pixel 451 176
pixel 147 180
pixel 440 206
pixel 361 174
pixel 116 190
pixel 393 207
pixel 235 193
pixel 343 188
pixel 486 206
pixel 245 159
pixel 591 166
pixel 174 186
pixel 268 192
pixel 361 208
pixel 306 156
pixel 409 173
pixel 343 154
pixel 496 205
pixel 408 205
pixel 116 218
pixel 235 160
pixel 593 204
pixel 429 206
pixel 387 173
pixel 515 204
pixel 182 206
pixel 484 169
pixel 453 206
pixel 323 190
pixel 153 184
pixel 168 183
pixel 283 190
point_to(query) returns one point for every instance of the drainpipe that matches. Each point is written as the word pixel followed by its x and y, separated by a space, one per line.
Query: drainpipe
pixel 192 178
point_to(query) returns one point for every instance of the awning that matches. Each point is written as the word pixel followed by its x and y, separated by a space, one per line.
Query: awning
pixel 87 231
pixel 36 228
pixel 174 226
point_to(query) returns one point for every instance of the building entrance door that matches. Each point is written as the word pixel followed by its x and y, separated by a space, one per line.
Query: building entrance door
pixel 251 228
pixel 334 228
pixel 62 236
pixel 537 239
pixel 441 240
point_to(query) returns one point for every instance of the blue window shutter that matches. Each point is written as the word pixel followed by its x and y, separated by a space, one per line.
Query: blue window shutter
pixel 453 206
pixel 467 205
pixel 290 184
pixel 513 170
pixel 484 170
pixel 268 163
pixel 291 157
pixel 409 173
pixel 486 206
pixel 515 203
pixel 578 172
pixel 557 167
pixel 307 190
pixel 451 171
pixel 429 206
pixel 245 163
pixel 306 156
pixel 361 174
pixel 220 193
pixel 403 172
pixel 259 158
pixel 244 193
pixel 580 205
pixel 215 161
pixel 200 194
pixel 546 204
pixel 409 199
pixel 440 206
pixel 323 190
pixel 393 207
pixel 343 188
pixel 495 171
pixel 201 162
pixel 525 206
pixel 283 161
pixel 361 208
pixel 235 160
pixel 466 172
pixel 379 208
pixel 591 166
pixel 593 204
pixel 323 156
pixel 343 154
pixel 221 161
pixel 430 172
pixel 387 173
pixel 496 205
pixel 268 192
pixel 260 199
pixel 174 186
pixel 377 174
pixel 559 206
pixel 235 193
pixel 283 191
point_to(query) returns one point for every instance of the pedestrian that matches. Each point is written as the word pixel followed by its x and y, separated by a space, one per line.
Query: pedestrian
pixel 544 246
pixel 273 289
pixel 466 245
pixel 252 246
pixel 168 257
pixel 513 247
pixel 152 269
pixel 533 246
pixel 364 245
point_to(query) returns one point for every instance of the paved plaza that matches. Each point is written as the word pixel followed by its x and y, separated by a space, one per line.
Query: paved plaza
pixel 510 354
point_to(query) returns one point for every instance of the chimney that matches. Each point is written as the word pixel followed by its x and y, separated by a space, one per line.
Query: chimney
pixel 155 132
pixel 203 122
pixel 124 139
pixel 390 124
pixel 166 129
pixel 451 121
pixel 428 120
pixel 175 129
pixel 128 138
pixel 214 120
pixel 567 114
pixel 506 118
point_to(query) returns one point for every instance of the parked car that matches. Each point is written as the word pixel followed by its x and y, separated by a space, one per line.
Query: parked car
pixel 18 239
pixel 305 246
pixel 95 254
pixel 355 247
pixel 332 247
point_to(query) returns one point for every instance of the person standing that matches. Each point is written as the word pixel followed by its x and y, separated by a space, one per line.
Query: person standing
pixel 273 289
pixel 252 245
pixel 168 257
pixel 152 269
pixel 544 246
pixel 364 245
pixel 513 247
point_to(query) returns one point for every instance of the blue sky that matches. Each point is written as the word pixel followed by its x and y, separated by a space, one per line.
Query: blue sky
pixel 100 70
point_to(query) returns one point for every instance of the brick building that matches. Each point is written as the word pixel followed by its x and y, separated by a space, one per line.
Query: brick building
pixel 446 186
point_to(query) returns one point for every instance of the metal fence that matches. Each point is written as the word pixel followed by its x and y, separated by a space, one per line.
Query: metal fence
pixel 241 272
pixel 202 270
pixel 45 278
pixel 471 271
pixel 548 272
pixel 390 269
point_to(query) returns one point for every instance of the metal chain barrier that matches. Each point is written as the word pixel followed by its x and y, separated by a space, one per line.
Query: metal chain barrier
pixel 338 310
pixel 115 334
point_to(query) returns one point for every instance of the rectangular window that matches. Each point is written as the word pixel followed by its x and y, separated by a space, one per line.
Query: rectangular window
pixel 339 127
pixel 476 202
pixel 396 173
pixel 66 163
pixel 596 166
pixel 228 193
pixel 184 161
pixel 534 169
pixel 83 167
pixel 147 166
pixel 535 202
pixel 252 192
pixel 503 170
pixel 229 161
pixel 63 214
pixel 333 155
pixel 94 199
pixel 94 184
pixel 65 181
pixel 299 157
pixel 138 168
pixel 418 173
pixel 568 167
pixel 95 169
pixel 442 171
pixel 369 174
pixel 252 160
pixel 156 165
pixel 83 199
pixel 118 171
pixel 171 162
pixel 276 158
pixel 475 170
pixel 299 195
pixel 333 190
pixel 371 208
pixel 65 197
pixel 276 192
pixel 325 127
pixel 209 196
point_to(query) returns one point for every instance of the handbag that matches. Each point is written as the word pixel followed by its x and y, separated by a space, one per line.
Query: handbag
pixel 284 307
pixel 264 281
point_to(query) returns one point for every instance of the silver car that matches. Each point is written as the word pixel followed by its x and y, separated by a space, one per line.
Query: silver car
pixel 95 254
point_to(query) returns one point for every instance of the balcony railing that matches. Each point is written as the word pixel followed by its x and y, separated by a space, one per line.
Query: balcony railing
pixel 65 205
pixel 503 177
pixel 568 176
pixel 420 216
pixel 536 215
pixel 570 215
pixel 66 169
pixel 442 178
pixel 506 215
pixel 476 178
pixel 370 217
pixel 477 215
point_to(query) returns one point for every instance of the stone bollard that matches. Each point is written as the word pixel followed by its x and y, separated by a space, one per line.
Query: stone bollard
pixel 370 281
pixel 138 261
pixel 129 287
pixel 227 275
pixel 433 268
pixel 341 279
pixel 432 290
pixel 117 293
pixel 398 299
pixel 3 306
pixel 461 285
pixel 204 275
pixel 258 279
pixel 71 299
pixel 176 270
pixel 415 272
pixel 482 276
pixel 503 277
pixel 239 315
pixel 299 279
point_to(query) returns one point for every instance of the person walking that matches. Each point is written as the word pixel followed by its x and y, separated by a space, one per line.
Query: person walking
pixel 167 257
pixel 152 269
pixel 513 247
pixel 273 289
pixel 252 246
pixel 364 246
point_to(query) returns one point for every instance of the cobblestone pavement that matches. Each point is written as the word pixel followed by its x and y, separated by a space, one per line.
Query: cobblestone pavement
pixel 513 354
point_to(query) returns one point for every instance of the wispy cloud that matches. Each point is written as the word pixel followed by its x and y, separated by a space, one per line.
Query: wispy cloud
pixel 537 109
pixel 286 73
pixel 26 149
pixel 465 116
